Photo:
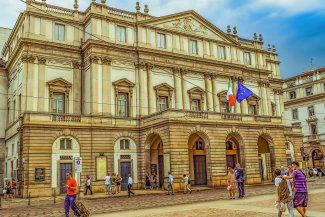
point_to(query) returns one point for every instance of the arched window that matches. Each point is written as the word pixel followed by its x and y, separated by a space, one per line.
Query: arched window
pixel 65 144
pixel 124 144
pixel 199 145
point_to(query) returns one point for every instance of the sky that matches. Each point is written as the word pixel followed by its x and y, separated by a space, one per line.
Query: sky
pixel 295 27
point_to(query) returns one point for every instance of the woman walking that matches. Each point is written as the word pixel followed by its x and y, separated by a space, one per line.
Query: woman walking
pixel 231 180
pixel 88 185
pixel 118 183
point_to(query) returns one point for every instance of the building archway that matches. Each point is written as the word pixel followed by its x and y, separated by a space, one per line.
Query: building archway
pixel 197 145
pixel 126 160
pixel 155 161
pixel 317 158
pixel 64 150
pixel 232 152
pixel 265 157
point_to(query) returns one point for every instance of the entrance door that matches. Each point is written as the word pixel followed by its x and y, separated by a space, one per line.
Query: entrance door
pixel 260 163
pixel 161 170
pixel 200 170
pixel 125 171
pixel 64 169
pixel 231 161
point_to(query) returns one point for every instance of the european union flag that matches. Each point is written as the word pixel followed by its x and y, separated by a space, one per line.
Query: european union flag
pixel 243 92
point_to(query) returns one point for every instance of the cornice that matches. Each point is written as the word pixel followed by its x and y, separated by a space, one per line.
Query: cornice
pixel 307 99
pixel 304 85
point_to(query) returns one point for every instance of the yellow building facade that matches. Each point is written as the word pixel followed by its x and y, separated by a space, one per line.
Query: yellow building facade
pixel 131 93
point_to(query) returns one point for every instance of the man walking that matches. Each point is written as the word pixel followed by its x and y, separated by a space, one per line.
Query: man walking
pixel 70 199
pixel 300 199
pixel 186 184
pixel 108 183
pixel 130 182
pixel 283 193
pixel 239 174
pixel 170 183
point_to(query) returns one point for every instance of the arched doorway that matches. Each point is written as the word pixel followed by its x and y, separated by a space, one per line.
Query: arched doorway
pixel 197 158
pixel 232 153
pixel 317 158
pixel 64 151
pixel 156 159
pixel 265 158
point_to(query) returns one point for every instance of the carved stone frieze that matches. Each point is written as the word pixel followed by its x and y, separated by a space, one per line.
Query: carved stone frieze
pixel 106 60
pixel 41 60
pixel 187 25
pixel 76 64
pixel 93 59
pixel 59 62
pixel 28 59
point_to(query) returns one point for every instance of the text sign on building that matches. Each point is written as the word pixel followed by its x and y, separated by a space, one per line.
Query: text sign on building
pixel 78 164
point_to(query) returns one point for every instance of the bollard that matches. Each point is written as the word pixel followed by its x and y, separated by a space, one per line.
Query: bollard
pixel 54 193
pixel 29 199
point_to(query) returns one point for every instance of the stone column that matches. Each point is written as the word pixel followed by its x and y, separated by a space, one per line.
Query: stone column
pixel 143 84
pixel 281 104
pixel 265 99
pixel 214 93
pixel 277 102
pixel 261 95
pixel 76 86
pixel 178 88
pixel 186 104
pixel 244 103
pixel 107 86
pixel 150 90
pixel 27 102
pixel 208 90
pixel 41 84
pixel 93 60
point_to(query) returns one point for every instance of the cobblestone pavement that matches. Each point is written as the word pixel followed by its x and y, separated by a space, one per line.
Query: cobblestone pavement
pixel 153 199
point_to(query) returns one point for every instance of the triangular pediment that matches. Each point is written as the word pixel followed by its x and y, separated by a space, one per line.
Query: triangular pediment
pixel 189 22
pixel 196 90
pixel 163 87
pixel 59 82
pixel 123 83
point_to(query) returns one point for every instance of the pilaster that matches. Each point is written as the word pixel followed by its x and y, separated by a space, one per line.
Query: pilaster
pixel 178 88
pixel 208 90
pixel 28 101
pixel 186 104
pixel 107 85
pixel 214 93
pixel 41 84
pixel 94 61
pixel 151 95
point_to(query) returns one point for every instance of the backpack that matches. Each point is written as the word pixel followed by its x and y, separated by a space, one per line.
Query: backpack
pixel 283 190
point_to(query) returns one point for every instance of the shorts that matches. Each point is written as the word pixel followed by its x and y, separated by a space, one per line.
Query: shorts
pixel 300 199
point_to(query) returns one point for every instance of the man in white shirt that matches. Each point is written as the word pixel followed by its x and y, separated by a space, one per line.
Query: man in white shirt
pixel 130 182
pixel 186 184
pixel 283 201
pixel 108 183
pixel 170 183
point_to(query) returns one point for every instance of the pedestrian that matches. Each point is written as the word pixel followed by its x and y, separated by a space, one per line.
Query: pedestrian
pixel 170 183
pixel 239 174
pixel 186 184
pixel 130 182
pixel 70 199
pixel 14 188
pixel 300 199
pixel 88 185
pixel 113 183
pixel 8 190
pixel 283 171
pixel 283 194
pixel 147 182
pixel 231 180
pixel 118 183
pixel 290 171
pixel 108 183
pixel 154 181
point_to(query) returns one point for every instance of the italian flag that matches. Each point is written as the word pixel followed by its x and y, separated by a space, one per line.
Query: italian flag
pixel 230 95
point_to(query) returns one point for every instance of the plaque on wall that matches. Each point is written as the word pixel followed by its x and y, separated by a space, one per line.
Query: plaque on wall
pixel 39 174
pixel 166 164
pixel 101 168
pixel 153 169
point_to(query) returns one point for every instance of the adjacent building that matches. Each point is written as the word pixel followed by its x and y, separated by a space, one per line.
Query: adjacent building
pixel 127 92
pixel 305 106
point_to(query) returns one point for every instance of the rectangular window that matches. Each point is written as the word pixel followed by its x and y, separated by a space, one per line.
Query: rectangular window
pixel 39 174
pixel 313 128
pixel 247 58
pixel 292 94
pixel 225 107
pixel 253 109
pixel 294 114
pixel 122 103
pixel 121 33
pixel 58 103
pixel 161 40
pixel 19 104
pixel 222 52
pixel 309 91
pixel 163 103
pixel 65 144
pixel 124 144
pixel 311 111
pixel 14 111
pixel 196 105
pixel 12 149
pixel 287 146
pixel 59 32
pixel 8 114
pixel 193 47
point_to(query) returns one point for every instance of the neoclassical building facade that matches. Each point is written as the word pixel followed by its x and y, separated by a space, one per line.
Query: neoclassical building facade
pixel 304 105
pixel 128 92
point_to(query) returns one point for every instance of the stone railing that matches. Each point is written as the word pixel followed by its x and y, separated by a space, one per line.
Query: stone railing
pixel 120 13
pixel 196 114
pixel 231 116
pixel 65 118
pixel 58 10
pixel 312 137
pixel 263 118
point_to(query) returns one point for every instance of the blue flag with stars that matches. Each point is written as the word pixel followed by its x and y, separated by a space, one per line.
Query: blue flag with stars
pixel 243 92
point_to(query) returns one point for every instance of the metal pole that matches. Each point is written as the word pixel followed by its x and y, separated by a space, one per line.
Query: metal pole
pixel 29 199
pixel 54 193
pixel 0 201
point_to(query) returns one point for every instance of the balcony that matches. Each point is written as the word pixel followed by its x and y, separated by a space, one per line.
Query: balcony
pixel 311 118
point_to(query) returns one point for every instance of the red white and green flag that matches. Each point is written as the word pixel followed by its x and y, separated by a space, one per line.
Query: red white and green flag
pixel 230 95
